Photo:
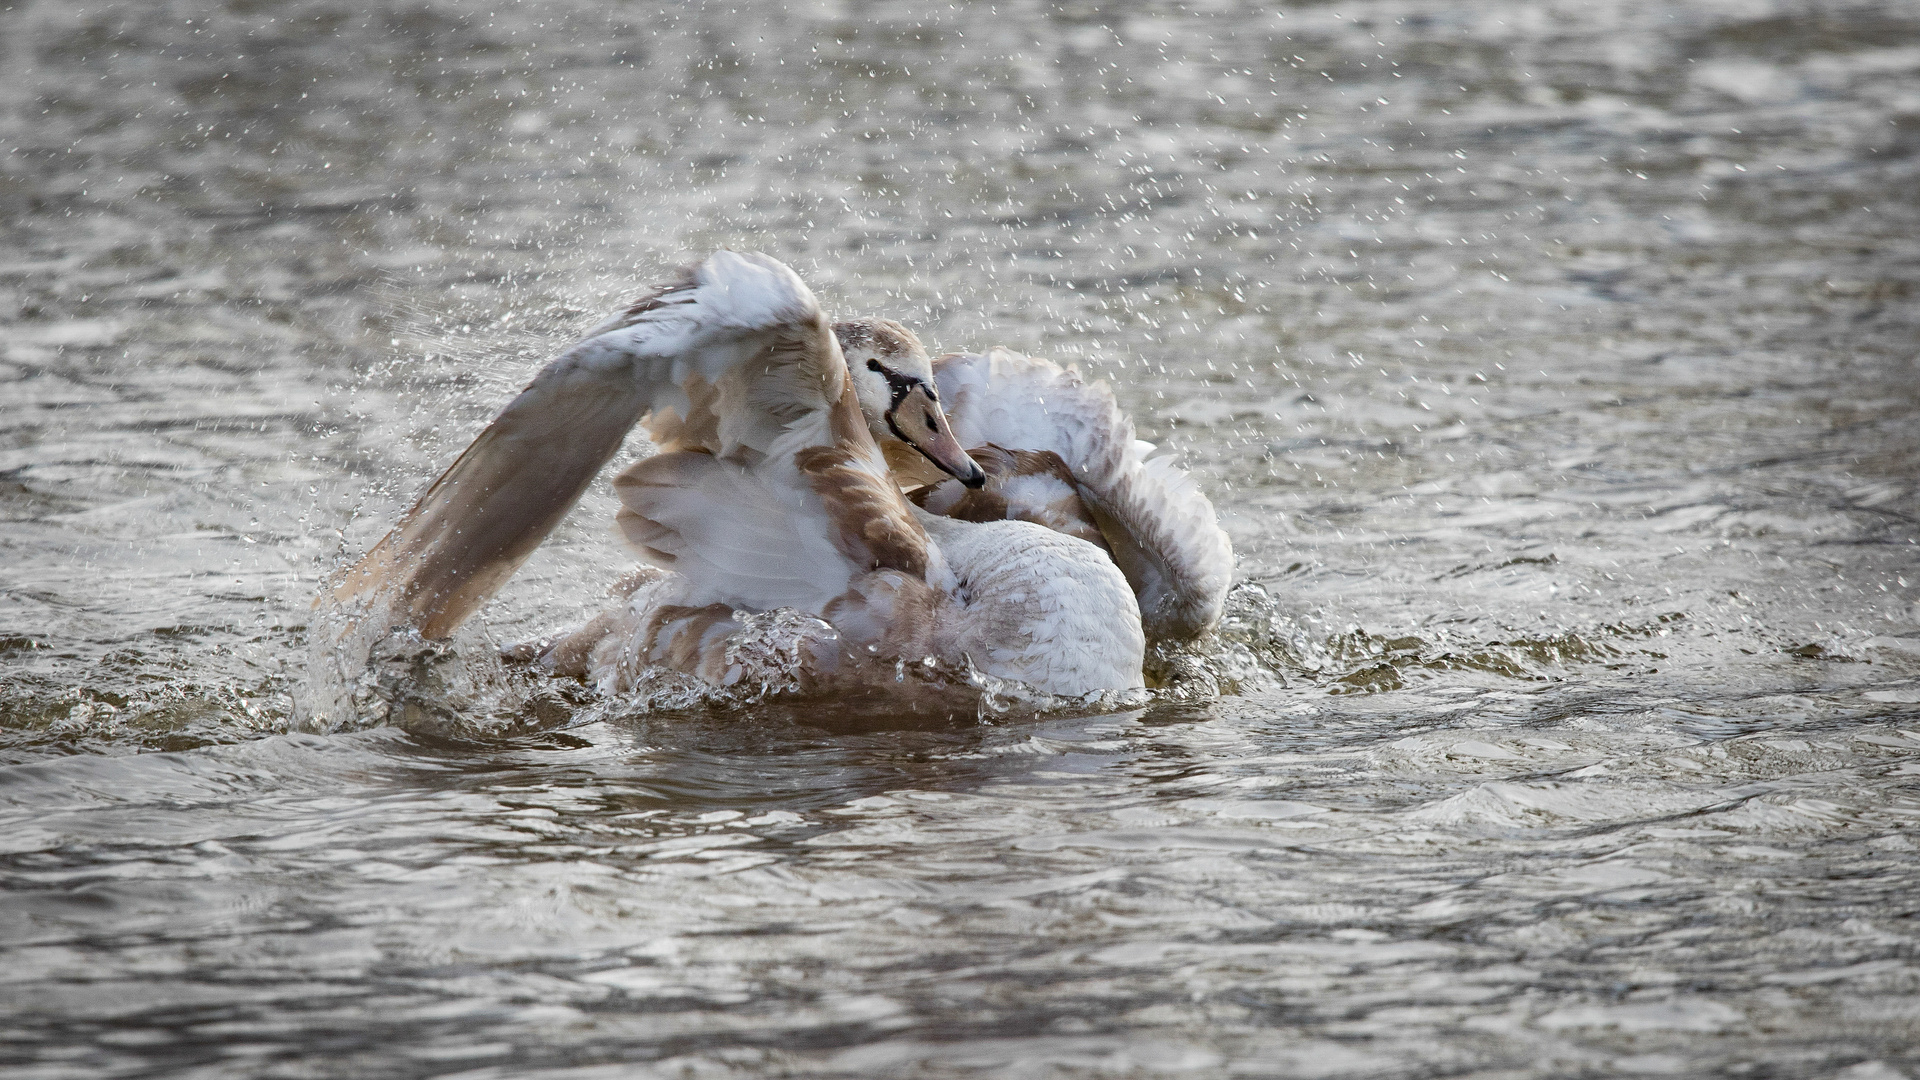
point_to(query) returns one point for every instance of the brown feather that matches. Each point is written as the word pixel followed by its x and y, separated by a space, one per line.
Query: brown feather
pixel 698 428
pixel 876 530
pixel 845 422
pixel 691 639
pixel 886 338
pixel 487 513
pixel 654 541
pixel 1066 513
pixel 888 608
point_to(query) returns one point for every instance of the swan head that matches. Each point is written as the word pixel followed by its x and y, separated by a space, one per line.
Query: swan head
pixel 893 378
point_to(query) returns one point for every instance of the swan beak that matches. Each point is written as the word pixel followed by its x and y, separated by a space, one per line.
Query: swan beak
pixel 916 420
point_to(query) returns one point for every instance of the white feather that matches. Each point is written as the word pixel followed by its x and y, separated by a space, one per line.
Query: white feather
pixel 1161 527
pixel 736 538
pixel 1047 609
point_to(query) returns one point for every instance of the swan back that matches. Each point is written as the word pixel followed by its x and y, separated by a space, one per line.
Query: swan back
pixel 1039 606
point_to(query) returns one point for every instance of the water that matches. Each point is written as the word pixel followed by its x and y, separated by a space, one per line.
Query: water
pixel 1552 365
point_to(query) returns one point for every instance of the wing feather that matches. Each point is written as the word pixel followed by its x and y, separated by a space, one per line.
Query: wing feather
pixel 488 512
pixel 736 539
pixel 723 359
pixel 749 540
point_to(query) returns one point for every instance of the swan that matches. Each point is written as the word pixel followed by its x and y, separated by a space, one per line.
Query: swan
pixel 770 492
pixel 1055 451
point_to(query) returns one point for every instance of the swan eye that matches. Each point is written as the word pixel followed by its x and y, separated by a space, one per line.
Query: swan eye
pixel 900 385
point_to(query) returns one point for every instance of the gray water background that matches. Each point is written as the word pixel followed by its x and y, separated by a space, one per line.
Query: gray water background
pixel 1553 366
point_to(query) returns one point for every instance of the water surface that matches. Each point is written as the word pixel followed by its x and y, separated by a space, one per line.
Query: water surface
pixel 1553 367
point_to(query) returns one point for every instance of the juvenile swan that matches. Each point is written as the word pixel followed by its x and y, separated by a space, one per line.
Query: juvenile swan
pixel 769 492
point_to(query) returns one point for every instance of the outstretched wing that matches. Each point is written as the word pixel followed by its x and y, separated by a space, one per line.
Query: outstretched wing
pixel 720 360
pixel 1160 526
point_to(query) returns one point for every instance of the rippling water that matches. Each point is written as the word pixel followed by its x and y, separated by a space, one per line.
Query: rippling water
pixel 1553 366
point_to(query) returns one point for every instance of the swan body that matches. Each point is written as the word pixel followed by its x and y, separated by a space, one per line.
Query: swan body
pixel 770 492
pixel 1057 453
pixel 1028 604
